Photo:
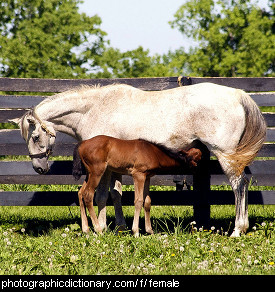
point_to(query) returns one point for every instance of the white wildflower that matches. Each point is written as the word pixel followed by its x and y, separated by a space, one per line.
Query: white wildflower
pixel 152 266
pixel 238 260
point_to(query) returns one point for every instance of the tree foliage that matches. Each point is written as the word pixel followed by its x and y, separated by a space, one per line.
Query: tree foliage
pixel 137 63
pixel 47 38
pixel 235 37
pixel 51 39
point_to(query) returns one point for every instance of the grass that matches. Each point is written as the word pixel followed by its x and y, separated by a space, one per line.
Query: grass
pixel 48 240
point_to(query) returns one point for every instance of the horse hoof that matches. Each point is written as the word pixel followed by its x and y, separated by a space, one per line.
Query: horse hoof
pixel 235 233
pixel 86 230
pixel 121 228
pixel 150 231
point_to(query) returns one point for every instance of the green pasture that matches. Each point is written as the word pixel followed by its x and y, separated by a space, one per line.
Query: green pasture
pixel 48 240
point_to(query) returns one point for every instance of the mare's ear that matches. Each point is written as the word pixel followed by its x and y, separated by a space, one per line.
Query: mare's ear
pixel 15 121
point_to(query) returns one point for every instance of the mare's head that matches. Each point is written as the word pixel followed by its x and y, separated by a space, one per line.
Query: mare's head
pixel 40 137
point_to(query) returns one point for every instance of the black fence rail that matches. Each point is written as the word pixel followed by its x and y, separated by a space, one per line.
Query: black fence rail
pixel 195 190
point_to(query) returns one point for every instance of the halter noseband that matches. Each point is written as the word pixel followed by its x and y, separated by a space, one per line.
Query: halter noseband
pixel 49 151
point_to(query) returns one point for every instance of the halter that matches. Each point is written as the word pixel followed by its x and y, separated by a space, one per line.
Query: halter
pixel 42 124
pixel 47 153
pixel 50 134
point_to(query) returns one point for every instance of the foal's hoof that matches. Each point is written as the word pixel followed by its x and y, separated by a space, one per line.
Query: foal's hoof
pixel 150 231
pixel 86 230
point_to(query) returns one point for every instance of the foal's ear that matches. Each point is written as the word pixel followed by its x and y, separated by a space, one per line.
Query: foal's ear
pixel 182 152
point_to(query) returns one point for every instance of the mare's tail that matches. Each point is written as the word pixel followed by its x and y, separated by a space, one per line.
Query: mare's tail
pixel 253 136
pixel 77 164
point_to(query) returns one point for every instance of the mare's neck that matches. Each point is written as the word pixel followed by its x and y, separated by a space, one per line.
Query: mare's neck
pixel 64 113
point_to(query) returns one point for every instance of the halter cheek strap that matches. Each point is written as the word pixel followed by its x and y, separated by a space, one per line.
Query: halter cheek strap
pixel 49 151
pixel 42 124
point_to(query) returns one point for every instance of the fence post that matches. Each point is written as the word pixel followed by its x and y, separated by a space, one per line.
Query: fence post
pixel 201 187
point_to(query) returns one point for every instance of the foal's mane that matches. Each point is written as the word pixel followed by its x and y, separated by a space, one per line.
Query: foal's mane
pixel 174 154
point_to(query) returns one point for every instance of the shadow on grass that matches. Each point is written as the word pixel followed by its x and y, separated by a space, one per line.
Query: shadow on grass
pixel 162 224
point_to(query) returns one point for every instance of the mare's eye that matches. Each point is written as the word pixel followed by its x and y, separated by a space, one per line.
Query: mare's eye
pixel 35 138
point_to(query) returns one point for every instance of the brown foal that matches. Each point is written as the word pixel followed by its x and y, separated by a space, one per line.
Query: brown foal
pixel 139 158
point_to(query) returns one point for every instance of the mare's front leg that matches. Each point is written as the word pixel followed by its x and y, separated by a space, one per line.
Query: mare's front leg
pixel 116 194
pixel 147 207
pixel 102 193
pixel 139 181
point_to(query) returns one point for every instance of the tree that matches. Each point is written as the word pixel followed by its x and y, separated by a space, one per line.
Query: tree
pixel 235 37
pixel 47 39
pixel 134 63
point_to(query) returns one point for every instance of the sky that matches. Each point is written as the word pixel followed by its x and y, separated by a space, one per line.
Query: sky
pixel 130 23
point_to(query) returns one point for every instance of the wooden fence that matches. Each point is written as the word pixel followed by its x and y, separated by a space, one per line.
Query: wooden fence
pixel 261 172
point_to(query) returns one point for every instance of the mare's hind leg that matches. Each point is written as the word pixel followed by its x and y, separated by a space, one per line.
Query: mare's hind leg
pixel 147 207
pixel 84 219
pixel 239 185
pixel 116 194
pixel 240 188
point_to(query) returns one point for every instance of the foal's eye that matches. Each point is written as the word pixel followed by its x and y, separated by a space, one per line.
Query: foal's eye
pixel 35 138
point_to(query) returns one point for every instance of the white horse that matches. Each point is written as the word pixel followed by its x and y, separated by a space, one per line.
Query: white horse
pixel 225 119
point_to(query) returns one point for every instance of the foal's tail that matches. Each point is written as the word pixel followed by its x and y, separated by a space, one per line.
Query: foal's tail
pixel 252 138
pixel 77 164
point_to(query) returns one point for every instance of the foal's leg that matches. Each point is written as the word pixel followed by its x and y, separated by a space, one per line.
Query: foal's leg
pixel 239 185
pixel 102 193
pixel 116 194
pixel 92 183
pixel 139 181
pixel 84 219
pixel 147 207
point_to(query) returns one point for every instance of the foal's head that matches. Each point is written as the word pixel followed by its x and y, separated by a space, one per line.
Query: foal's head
pixel 192 156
